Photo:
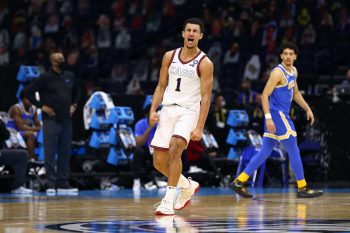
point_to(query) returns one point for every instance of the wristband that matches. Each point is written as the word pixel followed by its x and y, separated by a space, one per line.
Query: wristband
pixel 268 116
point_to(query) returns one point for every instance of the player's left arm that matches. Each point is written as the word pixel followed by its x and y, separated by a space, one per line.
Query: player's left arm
pixel 206 69
pixel 36 121
pixel 299 99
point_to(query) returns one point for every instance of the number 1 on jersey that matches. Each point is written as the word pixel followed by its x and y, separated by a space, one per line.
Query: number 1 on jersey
pixel 178 84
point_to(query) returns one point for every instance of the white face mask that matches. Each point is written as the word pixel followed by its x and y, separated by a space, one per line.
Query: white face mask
pixel 223 103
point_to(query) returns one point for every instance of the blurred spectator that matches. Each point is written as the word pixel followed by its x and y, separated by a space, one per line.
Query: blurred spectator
pixel 4 38
pixel 326 23
pixel 122 41
pixel 49 46
pixel 289 35
pixel 153 22
pixel 104 38
pixel 308 36
pixel 20 41
pixel 156 63
pixel 216 28
pixel 247 96
pixel 16 158
pixel 232 55
pixel 287 19
pixel 215 53
pixel 346 82
pixel 66 7
pixel 83 7
pixel 118 23
pixel 122 44
pixel 87 40
pixel 74 63
pixel 24 119
pixel 134 87
pixel 132 27
pixel 36 38
pixel 140 69
pixel 70 41
pixel 118 8
pixel 52 25
pixel 4 11
pixel 144 133
pixel 4 55
pixel 119 73
pixel 216 122
pixel 269 34
pixel 344 22
pixel 51 7
pixel 19 21
pixel 304 17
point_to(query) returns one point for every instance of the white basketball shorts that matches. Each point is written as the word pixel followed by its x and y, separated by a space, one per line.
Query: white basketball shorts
pixel 175 121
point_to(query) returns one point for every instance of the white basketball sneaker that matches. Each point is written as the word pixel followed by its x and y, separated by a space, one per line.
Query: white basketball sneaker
pixel 186 194
pixel 165 207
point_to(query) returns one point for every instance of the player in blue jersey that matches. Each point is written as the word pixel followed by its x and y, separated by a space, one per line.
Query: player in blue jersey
pixel 24 119
pixel 280 90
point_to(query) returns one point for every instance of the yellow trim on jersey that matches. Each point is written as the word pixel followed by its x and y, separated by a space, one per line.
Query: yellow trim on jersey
pixel 287 134
pixel 279 86
pixel 294 72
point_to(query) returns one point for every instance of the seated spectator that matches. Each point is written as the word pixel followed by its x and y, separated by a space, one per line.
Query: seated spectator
pixel 144 133
pixel 232 55
pixel 16 158
pixel 346 82
pixel 134 87
pixel 247 96
pixel 24 119
pixel 216 122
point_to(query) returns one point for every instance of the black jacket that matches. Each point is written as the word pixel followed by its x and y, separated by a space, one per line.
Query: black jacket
pixel 4 134
pixel 58 91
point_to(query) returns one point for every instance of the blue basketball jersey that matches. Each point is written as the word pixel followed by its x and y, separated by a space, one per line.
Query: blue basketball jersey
pixel 282 96
pixel 280 101
pixel 28 117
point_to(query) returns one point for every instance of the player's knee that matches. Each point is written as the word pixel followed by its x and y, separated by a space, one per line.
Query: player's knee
pixel 176 148
pixel 29 135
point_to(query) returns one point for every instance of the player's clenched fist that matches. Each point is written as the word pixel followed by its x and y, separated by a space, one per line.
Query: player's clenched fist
pixel 153 118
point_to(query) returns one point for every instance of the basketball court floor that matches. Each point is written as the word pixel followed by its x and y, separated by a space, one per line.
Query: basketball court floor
pixel 211 210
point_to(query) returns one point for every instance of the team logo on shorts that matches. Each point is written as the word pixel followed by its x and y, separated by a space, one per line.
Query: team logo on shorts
pixel 179 224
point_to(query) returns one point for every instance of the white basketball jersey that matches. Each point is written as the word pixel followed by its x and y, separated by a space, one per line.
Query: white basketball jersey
pixel 184 81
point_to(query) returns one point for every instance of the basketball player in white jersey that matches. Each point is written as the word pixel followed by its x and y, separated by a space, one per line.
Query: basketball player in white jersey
pixel 184 89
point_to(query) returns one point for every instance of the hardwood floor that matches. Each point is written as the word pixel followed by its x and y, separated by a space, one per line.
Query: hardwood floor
pixel 213 210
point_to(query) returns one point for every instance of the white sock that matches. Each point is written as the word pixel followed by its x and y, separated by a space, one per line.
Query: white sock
pixel 170 193
pixel 137 181
pixel 183 183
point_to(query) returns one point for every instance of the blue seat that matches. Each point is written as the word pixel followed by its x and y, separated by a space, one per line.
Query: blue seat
pixel 277 154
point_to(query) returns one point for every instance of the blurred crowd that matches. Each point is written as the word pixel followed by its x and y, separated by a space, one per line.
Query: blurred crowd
pixel 116 45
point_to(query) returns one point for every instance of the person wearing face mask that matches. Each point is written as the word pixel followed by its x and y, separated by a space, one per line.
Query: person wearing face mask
pixel 216 122
pixel 59 93
pixel 247 96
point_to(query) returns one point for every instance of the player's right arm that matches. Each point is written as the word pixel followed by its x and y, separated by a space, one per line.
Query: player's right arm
pixel 274 80
pixel 160 89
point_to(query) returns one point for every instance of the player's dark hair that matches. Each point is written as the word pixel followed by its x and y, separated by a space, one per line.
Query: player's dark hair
pixel 289 45
pixel 197 21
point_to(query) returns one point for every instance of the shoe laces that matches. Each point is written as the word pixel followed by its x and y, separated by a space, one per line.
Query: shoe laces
pixel 161 202
pixel 186 193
